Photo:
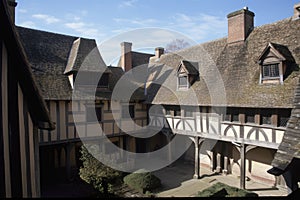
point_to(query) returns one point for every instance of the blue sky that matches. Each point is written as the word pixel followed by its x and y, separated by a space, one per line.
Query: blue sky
pixel 199 20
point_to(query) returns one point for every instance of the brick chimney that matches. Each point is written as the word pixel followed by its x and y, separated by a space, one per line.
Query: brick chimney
pixel 296 11
pixel 126 57
pixel 240 25
pixel 12 7
pixel 159 51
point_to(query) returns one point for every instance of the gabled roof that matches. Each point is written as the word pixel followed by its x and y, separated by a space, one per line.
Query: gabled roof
pixel 190 68
pixel 51 55
pixel 282 52
pixel 36 105
pixel 238 69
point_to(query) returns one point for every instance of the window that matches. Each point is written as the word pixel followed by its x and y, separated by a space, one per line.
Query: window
pixel 91 112
pixel 182 82
pixel 266 118
pixel 271 71
pixel 250 116
pixel 177 112
pixel 188 112
pixel 126 109
pixel 283 121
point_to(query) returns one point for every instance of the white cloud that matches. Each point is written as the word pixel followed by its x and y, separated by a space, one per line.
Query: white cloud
pixel 22 10
pixel 84 29
pixel 200 26
pixel 47 18
pixel 130 3
pixel 29 24
pixel 137 21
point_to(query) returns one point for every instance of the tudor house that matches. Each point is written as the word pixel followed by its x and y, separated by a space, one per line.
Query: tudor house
pixel 23 114
pixel 56 61
pixel 235 93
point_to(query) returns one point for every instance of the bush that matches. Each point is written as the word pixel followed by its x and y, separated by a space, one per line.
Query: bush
pixel 223 190
pixel 101 177
pixel 142 181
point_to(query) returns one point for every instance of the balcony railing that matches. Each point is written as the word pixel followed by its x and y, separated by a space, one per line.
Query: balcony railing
pixel 211 126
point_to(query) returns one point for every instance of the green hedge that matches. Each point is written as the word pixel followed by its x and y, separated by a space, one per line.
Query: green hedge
pixel 142 181
pixel 223 190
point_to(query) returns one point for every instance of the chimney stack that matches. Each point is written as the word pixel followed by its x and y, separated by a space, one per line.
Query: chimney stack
pixel 296 11
pixel 126 58
pixel 240 25
pixel 12 7
pixel 159 51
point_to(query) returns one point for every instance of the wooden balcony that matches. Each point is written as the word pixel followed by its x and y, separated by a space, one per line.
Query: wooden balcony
pixel 211 126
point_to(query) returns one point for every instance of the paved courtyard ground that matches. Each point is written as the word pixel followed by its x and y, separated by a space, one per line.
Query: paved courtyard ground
pixel 178 181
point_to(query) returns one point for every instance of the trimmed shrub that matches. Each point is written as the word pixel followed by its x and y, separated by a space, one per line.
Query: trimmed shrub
pixel 223 190
pixel 101 177
pixel 142 181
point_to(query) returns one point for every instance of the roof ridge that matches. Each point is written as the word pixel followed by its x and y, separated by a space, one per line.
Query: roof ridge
pixel 49 32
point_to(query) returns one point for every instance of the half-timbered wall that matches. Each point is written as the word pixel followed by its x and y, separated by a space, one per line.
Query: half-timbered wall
pixel 262 128
pixel 62 114
pixel 19 164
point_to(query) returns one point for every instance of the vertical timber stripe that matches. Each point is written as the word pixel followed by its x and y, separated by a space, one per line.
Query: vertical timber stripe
pixel 62 120
pixel 13 125
pixel 22 143
pixel 57 120
pixel 5 124
pixel 67 119
pixel 27 152
pixel 2 179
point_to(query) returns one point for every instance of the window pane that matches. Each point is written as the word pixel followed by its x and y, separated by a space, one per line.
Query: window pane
pixel 227 117
pixel 250 119
pixel 283 121
pixel 90 114
pixel 182 80
pixel 126 109
pixel 235 118
pixel 271 70
pixel 266 120
pixel 177 112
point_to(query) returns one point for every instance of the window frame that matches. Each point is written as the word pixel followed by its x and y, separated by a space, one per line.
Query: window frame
pixel 269 66
pixel 89 119
pixel 183 86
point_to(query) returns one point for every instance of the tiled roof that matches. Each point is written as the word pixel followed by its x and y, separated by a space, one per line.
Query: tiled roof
pixel 233 69
pixel 53 56
pixel 23 73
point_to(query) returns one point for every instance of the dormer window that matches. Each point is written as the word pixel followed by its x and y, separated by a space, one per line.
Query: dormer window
pixel 273 62
pixel 187 74
pixel 183 82
pixel 270 71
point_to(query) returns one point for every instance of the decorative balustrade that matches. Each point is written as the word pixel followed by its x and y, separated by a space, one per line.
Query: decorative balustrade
pixel 211 126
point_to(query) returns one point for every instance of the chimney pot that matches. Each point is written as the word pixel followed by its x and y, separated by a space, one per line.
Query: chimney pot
pixel 296 11
pixel 159 51
pixel 12 7
pixel 126 58
pixel 240 25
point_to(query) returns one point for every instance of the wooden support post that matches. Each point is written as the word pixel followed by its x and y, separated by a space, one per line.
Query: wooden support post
pixel 211 155
pixel 197 158
pixel 218 168
pixel 243 164
pixel 225 170
pixel 68 161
